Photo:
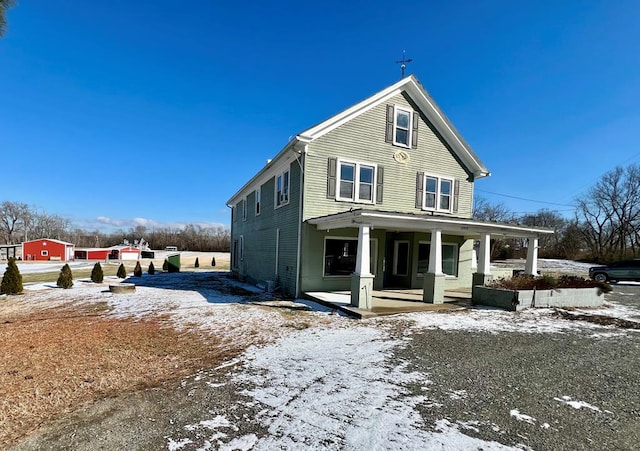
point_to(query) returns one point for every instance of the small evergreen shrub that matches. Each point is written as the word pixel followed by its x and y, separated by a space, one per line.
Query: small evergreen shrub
pixel 65 279
pixel 122 272
pixel 197 264
pixel 12 279
pixel 97 275
pixel 137 271
pixel 213 261
pixel 165 265
pixel 152 269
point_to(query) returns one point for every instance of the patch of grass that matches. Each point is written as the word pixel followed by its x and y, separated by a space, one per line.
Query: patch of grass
pixel 56 362
pixel 298 326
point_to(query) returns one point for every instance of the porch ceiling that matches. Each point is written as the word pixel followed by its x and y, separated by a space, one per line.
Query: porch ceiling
pixel 425 223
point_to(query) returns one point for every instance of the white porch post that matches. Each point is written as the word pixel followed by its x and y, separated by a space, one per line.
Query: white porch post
pixel 531 266
pixel 362 279
pixel 433 288
pixel 483 272
pixel 484 265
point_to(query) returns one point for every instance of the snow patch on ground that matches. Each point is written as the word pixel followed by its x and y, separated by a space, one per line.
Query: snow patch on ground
pixel 577 404
pixel 515 413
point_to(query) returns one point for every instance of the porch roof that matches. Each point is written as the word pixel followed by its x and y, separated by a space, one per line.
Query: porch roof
pixel 425 223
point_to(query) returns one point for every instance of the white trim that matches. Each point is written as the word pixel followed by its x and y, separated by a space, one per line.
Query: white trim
pixel 258 201
pixel 395 257
pixel 438 193
pixel 356 181
pixel 396 109
pixel 444 243
pixel 44 253
pixel 278 200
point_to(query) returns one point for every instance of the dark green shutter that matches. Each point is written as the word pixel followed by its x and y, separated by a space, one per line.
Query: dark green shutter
pixel 331 178
pixel 379 184
pixel 419 189
pixel 414 130
pixel 456 195
pixel 389 130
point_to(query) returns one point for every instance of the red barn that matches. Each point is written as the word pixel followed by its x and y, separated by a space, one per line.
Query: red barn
pixel 46 249
pixel 92 254
pixel 124 252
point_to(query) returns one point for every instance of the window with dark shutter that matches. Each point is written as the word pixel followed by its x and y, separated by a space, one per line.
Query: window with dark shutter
pixel 414 131
pixel 379 185
pixel 456 195
pixel 331 178
pixel 419 189
pixel 390 120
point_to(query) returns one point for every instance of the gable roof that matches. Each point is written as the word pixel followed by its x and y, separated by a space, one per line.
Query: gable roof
pixel 49 239
pixel 412 86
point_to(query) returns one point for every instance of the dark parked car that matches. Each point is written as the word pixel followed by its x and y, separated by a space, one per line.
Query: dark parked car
pixel 624 270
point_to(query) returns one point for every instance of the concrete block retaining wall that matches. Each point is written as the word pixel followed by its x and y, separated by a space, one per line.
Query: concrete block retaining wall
pixel 521 299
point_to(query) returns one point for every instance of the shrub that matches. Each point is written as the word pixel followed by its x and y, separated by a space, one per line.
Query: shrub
pixel 213 261
pixel 152 269
pixel 197 264
pixel 165 265
pixel 122 272
pixel 65 279
pixel 97 276
pixel 12 279
pixel 547 282
pixel 137 271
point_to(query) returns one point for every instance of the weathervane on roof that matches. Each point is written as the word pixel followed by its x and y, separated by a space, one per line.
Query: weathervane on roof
pixel 403 63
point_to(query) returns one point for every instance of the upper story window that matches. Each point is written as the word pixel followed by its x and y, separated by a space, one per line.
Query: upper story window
pixel 356 181
pixel 402 126
pixel 282 188
pixel 258 194
pixel 244 209
pixel 435 193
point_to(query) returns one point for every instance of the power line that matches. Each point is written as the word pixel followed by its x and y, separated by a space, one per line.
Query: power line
pixel 522 198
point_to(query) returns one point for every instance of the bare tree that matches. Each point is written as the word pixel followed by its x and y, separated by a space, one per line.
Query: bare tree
pixel 4 6
pixel 13 218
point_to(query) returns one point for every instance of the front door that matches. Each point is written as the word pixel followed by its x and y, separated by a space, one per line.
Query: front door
pixel 397 271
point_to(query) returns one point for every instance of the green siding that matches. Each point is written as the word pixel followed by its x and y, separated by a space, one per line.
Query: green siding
pixel 363 139
pixel 259 232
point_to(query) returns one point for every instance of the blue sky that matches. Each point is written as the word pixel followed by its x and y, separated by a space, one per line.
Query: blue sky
pixel 161 110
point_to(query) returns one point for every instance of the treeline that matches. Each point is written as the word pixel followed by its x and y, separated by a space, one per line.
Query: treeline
pixel 19 222
pixel 605 226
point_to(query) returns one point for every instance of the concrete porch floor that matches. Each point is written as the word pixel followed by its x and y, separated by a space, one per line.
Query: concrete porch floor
pixel 391 302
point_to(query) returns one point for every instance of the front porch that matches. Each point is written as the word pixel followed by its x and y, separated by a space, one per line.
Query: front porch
pixel 391 302
pixel 407 251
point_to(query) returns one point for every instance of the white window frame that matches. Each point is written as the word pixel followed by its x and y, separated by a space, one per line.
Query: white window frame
pixel 397 109
pixel 44 253
pixel 244 209
pixel 373 257
pixel 438 193
pixel 281 199
pixel 356 181
pixel 456 253
pixel 396 244
pixel 258 201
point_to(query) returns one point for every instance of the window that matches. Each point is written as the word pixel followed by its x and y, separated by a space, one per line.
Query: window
pixel 438 193
pixel 282 189
pixel 449 258
pixel 241 252
pixel 244 209
pixel 356 182
pixel 258 193
pixel 340 256
pixel 402 127
pixel 44 253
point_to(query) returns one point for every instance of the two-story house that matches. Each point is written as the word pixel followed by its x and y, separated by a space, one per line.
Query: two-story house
pixel 378 196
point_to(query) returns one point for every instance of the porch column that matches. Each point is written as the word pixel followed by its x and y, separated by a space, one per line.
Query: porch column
pixel 483 273
pixel 531 267
pixel 433 288
pixel 362 279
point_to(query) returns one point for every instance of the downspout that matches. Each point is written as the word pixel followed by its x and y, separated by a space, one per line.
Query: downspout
pixel 300 205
